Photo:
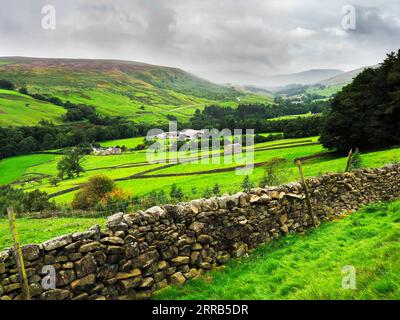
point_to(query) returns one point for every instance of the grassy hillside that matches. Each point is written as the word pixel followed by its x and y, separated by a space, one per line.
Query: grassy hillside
pixel 310 266
pixel 17 109
pixel 138 91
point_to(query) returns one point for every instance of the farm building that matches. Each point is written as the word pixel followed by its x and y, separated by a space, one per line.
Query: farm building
pixel 106 152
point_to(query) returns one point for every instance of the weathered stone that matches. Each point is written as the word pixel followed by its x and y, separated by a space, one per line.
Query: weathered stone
pixel 83 283
pixel 57 242
pixel 68 265
pixel 65 277
pixel 116 222
pixel 162 265
pixel 204 238
pixel 195 258
pixel 162 284
pixel 191 274
pixel 91 246
pixel 180 260
pixel 178 279
pixel 126 275
pixel 146 259
pixel 169 252
pixel 143 295
pixel 2 267
pixel 11 287
pixel 83 235
pixel 85 266
pixel 131 283
pixel 159 276
pixel 55 294
pixel 74 256
pixel 35 289
pixel 4 255
pixel 30 252
pixel 196 226
pixel 112 241
pixel 82 296
pixel 146 283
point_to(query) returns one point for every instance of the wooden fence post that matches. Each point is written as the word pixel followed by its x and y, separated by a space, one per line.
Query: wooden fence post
pixel 306 191
pixel 349 158
pixel 18 255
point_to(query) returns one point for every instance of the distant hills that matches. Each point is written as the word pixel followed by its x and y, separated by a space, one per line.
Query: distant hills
pixel 344 78
pixel 138 91
pixel 304 78
pixel 324 82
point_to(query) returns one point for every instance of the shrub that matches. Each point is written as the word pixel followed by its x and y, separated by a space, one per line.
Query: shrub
pixel 176 192
pixel 216 190
pixel 247 184
pixel 272 174
pixel 92 192
pixel 115 200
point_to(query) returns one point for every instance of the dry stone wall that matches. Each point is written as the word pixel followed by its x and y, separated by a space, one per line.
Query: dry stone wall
pixel 142 252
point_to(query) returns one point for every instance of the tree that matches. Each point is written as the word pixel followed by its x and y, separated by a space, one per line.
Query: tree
pixel 366 113
pixel 37 201
pixel 23 90
pixel 356 161
pixel 29 144
pixel 54 181
pixel 7 85
pixel 70 164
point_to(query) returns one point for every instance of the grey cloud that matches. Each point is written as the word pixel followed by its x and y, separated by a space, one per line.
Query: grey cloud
pixel 225 40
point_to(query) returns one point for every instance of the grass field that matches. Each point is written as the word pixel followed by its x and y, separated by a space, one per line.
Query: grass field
pixel 17 109
pixel 40 230
pixel 310 266
pixel 130 169
pixel 294 116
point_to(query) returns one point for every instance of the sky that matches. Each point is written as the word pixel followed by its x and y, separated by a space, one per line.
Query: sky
pixel 225 41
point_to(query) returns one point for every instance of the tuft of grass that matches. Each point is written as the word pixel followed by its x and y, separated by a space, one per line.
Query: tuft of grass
pixel 310 266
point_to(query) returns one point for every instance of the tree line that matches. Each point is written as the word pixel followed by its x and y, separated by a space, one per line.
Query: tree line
pixel 255 117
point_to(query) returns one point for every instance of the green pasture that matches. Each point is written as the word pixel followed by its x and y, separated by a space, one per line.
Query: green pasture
pixel 17 110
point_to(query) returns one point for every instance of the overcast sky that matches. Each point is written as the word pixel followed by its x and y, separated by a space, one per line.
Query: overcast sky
pixel 232 41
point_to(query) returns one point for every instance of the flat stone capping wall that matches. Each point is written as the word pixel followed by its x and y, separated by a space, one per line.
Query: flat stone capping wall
pixel 142 252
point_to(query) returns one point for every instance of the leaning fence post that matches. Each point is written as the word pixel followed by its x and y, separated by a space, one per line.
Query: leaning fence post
pixel 18 255
pixel 308 199
pixel 349 158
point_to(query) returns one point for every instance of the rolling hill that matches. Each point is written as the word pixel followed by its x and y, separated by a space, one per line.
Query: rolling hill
pixel 138 91
pixel 17 109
